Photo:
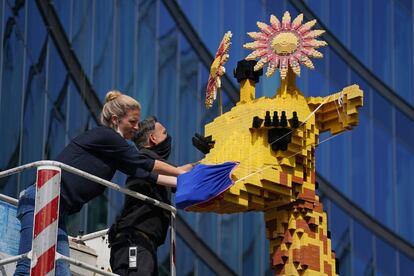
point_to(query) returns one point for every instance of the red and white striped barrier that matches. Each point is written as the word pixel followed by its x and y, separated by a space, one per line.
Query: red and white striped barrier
pixel 46 219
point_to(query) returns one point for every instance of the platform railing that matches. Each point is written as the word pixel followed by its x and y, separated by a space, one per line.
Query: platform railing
pixel 100 181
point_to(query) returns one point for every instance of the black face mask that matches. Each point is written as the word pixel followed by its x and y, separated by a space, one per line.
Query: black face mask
pixel 163 149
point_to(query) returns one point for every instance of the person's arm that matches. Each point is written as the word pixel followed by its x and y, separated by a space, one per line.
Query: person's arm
pixel 168 181
pixel 166 169
pixel 113 148
pixel 188 167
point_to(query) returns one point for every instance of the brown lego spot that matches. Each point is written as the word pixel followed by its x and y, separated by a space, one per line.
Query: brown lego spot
pixel 303 225
pixel 307 194
pixel 327 268
pixel 312 257
pixel 311 222
pixel 318 207
pixel 297 255
pixel 279 256
pixel 324 240
pixel 297 180
pixel 288 239
pixel 283 178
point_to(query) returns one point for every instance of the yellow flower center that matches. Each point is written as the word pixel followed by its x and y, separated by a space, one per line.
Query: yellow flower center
pixel 285 43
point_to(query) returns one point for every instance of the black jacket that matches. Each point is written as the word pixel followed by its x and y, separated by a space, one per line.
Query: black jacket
pixel 137 215
pixel 99 151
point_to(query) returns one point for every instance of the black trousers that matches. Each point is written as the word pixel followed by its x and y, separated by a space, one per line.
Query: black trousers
pixel 146 256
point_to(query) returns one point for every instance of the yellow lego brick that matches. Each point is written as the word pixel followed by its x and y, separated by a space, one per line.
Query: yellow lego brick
pixel 257 200
pixel 234 190
pixel 276 188
pixel 250 189
pixel 271 175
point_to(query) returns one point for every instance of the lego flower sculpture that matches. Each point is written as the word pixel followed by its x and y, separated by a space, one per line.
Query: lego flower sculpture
pixel 283 44
pixel 217 69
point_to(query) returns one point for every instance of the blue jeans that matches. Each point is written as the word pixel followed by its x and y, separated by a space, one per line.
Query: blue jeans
pixel 25 213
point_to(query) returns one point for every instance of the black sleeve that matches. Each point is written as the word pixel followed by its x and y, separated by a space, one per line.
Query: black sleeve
pixel 130 162
pixel 109 144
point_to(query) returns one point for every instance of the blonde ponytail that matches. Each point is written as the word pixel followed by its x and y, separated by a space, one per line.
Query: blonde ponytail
pixel 117 104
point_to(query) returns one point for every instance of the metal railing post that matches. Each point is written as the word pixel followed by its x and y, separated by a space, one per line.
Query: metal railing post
pixel 45 221
pixel 172 246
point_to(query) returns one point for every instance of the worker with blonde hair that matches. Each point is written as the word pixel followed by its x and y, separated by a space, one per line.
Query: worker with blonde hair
pixel 100 151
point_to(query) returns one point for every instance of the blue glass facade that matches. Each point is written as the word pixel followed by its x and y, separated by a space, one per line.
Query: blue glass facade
pixel 136 46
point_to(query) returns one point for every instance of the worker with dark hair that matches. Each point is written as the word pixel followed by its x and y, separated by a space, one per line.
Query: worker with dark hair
pixel 141 228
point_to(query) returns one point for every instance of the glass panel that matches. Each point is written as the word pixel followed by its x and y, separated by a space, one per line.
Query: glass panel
pixel 191 105
pixel 147 56
pixel 78 115
pixel 405 265
pixel 382 40
pixel 339 73
pixel 56 132
pixel 340 156
pixel 338 24
pixel 125 25
pixel 82 23
pixel 339 226
pixel 211 24
pixel 318 81
pixel 361 166
pixel 35 95
pixel 97 213
pixel 230 236
pixel 186 264
pixel 11 97
pixel 168 79
pixel 234 22
pixel 403 51
pixel 34 114
pixel 383 162
pixel 103 48
pixel 75 223
pixel 362 150
pixel 405 165
pixel 208 230
pixel 359 34
pixel 385 259
pixel 36 32
pixel 64 10
pixel 321 9
pixel 362 250
pixel 192 10
pixel 255 251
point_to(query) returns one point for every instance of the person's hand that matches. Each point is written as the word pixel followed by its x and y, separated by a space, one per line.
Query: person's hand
pixel 186 167
pixel 166 169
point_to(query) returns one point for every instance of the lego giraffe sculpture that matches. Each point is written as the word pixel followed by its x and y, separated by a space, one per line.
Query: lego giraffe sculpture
pixel 274 141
